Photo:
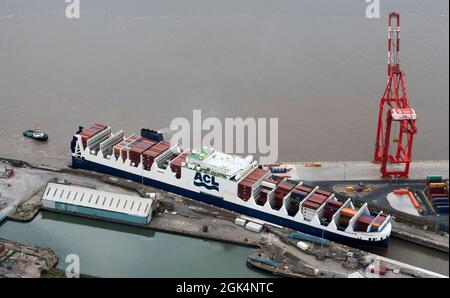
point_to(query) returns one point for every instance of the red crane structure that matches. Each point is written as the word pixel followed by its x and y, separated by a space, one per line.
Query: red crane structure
pixel 396 118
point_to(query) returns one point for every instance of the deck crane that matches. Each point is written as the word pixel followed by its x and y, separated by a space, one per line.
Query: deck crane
pixel 396 118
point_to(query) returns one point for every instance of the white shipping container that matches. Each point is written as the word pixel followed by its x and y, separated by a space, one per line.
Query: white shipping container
pixel 254 227
pixel 240 221
pixel 302 245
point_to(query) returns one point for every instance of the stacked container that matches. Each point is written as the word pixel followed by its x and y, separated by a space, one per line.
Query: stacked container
pixel 137 148
pixel 87 133
pixel 282 190
pixel 267 185
pixel 309 209
pixel 331 207
pixel 300 192
pixel 297 195
pixel 364 221
pixel 313 203
pixel 175 165
pixel 346 215
pixel 437 193
pixel 148 156
pixel 124 145
pixel 246 186
pixel 323 192
pixel 378 222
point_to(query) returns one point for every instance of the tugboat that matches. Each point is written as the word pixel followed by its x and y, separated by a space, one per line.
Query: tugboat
pixel 36 134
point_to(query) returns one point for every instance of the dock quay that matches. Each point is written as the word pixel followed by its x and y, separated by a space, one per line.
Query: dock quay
pixel 360 170
pixel 281 256
pixel 179 215
pixel 420 236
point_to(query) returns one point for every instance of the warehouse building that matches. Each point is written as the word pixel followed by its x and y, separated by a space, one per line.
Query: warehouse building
pixel 100 204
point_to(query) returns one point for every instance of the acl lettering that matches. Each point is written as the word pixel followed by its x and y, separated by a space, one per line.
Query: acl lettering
pixel 207 181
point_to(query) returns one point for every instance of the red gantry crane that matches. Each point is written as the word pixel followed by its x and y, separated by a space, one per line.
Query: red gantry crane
pixel 396 119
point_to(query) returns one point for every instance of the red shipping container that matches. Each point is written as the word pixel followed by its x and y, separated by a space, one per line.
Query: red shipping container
pixel 262 199
pixel 323 192
pixel 317 199
pixel 311 205
pixel 303 188
pixel 334 203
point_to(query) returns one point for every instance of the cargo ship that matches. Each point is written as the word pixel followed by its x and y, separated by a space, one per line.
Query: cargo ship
pixel 228 181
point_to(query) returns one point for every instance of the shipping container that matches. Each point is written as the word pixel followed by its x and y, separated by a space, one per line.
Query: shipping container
pixel 438 195
pixel 254 227
pixel 278 170
pixel 323 192
pixel 348 212
pixel 87 133
pixel 440 201
pixel 401 191
pixel 298 194
pixel 303 188
pixel 441 209
pixel 334 203
pixel 152 135
pixel 262 199
pixel 240 221
pixel 292 209
pixel 303 245
pixel 437 185
pixel 317 199
pixel 123 146
pixel 138 147
pixel 175 165
pixel 413 200
pixel 331 207
pixel 434 178
pixel 311 205
pixel 246 185
pixel 269 183
pixel 365 219
pixel 156 150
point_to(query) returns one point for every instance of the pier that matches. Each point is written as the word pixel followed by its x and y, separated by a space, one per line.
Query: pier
pixel 361 170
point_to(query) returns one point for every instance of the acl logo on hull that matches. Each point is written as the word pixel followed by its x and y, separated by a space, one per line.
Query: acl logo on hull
pixel 207 181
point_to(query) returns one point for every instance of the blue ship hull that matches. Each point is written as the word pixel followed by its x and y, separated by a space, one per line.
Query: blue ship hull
pixel 219 202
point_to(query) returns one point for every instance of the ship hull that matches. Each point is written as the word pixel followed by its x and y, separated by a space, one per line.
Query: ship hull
pixel 220 202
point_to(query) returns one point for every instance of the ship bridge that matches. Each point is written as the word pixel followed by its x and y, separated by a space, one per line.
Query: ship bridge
pixel 217 163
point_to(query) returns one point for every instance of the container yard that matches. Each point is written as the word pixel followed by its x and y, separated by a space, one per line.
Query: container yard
pixel 437 194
